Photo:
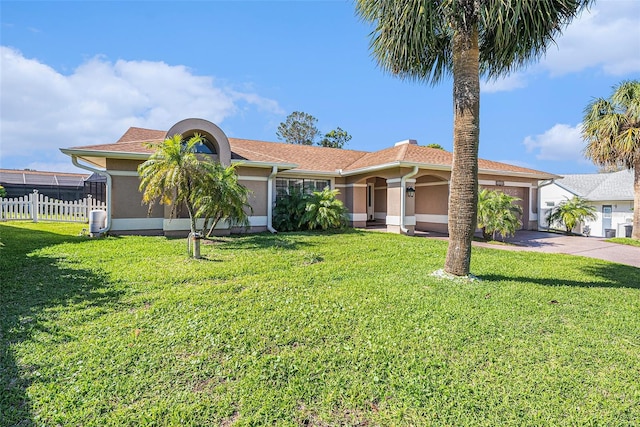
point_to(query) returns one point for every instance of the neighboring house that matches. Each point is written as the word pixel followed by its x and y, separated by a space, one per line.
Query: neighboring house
pixel 55 185
pixel 405 186
pixel 610 193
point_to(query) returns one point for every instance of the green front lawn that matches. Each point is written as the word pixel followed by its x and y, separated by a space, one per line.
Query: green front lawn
pixel 309 329
pixel 625 241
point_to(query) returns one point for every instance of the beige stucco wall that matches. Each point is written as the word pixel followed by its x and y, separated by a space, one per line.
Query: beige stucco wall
pixel 251 171
pixel 393 198
pixel 339 185
pixel 122 165
pixel 126 199
pixel 356 202
pixel 432 207
pixel 258 196
pixel 503 178
pixel 432 200
pixel 432 195
pixel 255 179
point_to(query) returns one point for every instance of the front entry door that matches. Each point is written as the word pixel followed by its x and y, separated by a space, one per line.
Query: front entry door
pixel 606 218
pixel 371 214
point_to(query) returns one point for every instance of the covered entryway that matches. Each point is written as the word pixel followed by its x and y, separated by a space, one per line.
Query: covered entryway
pixel 376 201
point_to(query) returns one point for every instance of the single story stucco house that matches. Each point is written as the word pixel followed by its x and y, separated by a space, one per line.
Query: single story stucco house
pixel 611 194
pixel 405 186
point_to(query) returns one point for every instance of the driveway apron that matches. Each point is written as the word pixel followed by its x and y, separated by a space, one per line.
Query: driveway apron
pixel 592 247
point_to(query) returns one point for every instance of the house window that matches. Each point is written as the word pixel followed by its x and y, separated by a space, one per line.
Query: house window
pixel 203 147
pixel 285 185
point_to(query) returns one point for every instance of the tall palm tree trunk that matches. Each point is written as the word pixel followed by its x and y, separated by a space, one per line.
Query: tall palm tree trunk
pixel 463 190
pixel 636 200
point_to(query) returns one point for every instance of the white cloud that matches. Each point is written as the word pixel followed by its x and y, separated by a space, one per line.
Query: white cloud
pixel 520 163
pixel 504 84
pixel 604 37
pixel 43 110
pixel 607 36
pixel 560 143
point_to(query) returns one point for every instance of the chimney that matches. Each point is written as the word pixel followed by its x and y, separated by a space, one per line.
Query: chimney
pixel 407 141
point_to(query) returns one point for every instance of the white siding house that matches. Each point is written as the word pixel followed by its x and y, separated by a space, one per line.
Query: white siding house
pixel 610 193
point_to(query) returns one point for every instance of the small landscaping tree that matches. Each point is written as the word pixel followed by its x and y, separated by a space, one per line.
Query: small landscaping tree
pixel 221 196
pixel 498 213
pixel 176 175
pixel 570 212
pixel 324 211
pixel 172 174
pixel 3 192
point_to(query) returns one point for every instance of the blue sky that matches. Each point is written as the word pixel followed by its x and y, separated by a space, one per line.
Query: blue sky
pixel 80 73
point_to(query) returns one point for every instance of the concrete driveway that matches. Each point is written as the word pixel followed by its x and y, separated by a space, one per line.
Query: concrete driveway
pixel 592 247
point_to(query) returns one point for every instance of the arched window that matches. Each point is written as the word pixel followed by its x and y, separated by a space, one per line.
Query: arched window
pixel 204 146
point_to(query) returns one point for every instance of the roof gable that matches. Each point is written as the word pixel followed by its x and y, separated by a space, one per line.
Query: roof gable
pixel 141 134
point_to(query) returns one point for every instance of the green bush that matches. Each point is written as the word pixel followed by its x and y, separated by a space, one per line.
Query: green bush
pixel 318 210
pixel 289 210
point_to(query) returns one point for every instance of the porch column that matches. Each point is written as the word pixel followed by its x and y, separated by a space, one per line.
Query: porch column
pixel 395 195
pixel 355 200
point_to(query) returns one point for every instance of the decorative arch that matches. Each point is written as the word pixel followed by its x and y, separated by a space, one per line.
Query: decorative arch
pixel 430 176
pixel 210 131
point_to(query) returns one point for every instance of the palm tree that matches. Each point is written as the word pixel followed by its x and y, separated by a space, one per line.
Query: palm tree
pixel 221 196
pixel 498 214
pixel 428 40
pixel 570 212
pixel 611 128
pixel 172 175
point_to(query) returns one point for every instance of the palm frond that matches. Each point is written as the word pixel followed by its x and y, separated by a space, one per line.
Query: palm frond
pixel 413 39
pixel 611 127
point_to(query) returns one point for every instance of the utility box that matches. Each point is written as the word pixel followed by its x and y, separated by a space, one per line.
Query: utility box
pixel 97 222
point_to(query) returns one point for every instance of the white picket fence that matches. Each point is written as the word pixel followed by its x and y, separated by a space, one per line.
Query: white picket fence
pixel 37 207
